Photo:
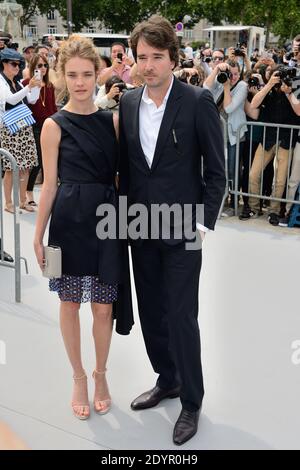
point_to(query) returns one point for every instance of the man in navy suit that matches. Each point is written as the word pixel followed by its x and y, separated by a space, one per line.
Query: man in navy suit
pixel 171 153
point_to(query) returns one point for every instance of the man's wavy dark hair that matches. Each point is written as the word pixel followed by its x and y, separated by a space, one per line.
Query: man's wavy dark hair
pixel 157 32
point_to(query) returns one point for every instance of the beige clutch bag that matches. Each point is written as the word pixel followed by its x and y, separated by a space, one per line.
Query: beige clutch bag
pixel 52 267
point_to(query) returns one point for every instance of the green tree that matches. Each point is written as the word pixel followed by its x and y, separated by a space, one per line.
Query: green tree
pixel 119 15
pixel 279 16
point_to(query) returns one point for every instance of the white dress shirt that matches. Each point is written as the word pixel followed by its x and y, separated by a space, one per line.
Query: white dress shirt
pixel 150 119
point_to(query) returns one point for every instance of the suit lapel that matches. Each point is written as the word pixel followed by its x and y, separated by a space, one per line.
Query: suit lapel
pixel 172 108
pixel 136 121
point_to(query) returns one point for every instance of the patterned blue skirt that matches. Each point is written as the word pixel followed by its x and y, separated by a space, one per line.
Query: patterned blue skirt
pixel 81 289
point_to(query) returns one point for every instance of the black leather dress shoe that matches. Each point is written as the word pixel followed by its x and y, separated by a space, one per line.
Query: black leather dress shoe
pixel 186 426
pixel 153 397
pixel 7 257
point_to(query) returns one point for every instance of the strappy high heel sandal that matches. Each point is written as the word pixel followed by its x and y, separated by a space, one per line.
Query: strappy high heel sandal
pixel 9 207
pixel 101 406
pixel 79 408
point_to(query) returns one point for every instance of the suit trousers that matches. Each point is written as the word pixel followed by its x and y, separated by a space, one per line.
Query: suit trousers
pixel 261 160
pixel 167 286
pixel 294 178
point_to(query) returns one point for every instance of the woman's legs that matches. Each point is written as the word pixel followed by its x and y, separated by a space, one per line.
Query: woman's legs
pixel 7 184
pixel 70 329
pixel 102 331
pixel 35 170
pixel 24 175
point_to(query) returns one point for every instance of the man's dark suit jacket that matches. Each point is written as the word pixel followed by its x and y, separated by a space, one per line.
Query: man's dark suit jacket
pixel 190 129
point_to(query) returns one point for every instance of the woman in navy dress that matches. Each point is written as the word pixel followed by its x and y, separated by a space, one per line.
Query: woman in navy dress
pixel 79 147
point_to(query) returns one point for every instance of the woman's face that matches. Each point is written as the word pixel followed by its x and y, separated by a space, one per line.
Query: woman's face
pixel 80 78
pixel 42 66
pixel 11 68
pixel 235 75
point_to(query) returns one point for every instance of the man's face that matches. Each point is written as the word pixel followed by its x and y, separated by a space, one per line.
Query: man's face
pixel 44 51
pixel 154 65
pixel 116 50
pixel 296 50
pixel 217 58
pixel 28 54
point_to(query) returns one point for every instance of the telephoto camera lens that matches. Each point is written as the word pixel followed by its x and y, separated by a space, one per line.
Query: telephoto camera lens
pixel 223 76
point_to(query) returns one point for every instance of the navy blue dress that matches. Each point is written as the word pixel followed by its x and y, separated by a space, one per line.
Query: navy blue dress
pixel 92 269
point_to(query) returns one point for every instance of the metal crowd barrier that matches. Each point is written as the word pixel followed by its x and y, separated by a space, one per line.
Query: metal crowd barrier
pixel 227 191
pixel 236 191
pixel 16 265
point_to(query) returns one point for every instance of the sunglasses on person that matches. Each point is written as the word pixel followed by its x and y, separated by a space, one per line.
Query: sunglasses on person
pixel 39 66
pixel 218 58
pixel 13 63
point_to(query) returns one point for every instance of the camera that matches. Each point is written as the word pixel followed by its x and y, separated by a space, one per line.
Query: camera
pixel 238 51
pixel 253 82
pixel 287 75
pixel 223 76
pixel 206 59
pixel 120 56
pixel 289 56
pixel 187 64
pixel 194 80
pixel 122 86
pixel 115 80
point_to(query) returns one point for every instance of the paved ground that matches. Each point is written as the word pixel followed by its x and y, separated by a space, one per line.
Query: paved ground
pixel 249 319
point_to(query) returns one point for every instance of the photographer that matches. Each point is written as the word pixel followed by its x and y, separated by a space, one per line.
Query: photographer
pixel 205 60
pixel 121 65
pixel 192 76
pixel 190 73
pixel 6 41
pixel 276 108
pixel 239 54
pixel 230 93
pixel 108 96
pixel 294 180
pixel 293 58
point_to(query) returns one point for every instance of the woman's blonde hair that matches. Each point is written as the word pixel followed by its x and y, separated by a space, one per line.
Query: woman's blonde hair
pixel 75 46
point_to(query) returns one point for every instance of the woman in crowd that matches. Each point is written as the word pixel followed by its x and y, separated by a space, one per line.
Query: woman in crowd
pixel 20 144
pixel 43 108
pixel 79 146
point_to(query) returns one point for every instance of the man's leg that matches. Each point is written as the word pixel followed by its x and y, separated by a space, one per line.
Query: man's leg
pixel 294 180
pixel 261 159
pixel 147 268
pixel 181 269
pixel 280 178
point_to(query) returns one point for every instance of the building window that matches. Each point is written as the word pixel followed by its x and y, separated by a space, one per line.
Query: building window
pixel 51 15
pixel 52 29
pixel 188 34
pixel 32 31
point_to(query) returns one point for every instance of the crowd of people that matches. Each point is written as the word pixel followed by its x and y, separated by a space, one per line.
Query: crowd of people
pixel 257 88
pixel 76 149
